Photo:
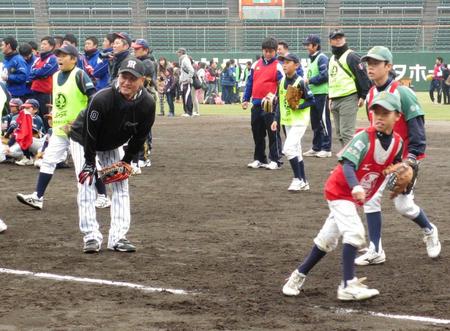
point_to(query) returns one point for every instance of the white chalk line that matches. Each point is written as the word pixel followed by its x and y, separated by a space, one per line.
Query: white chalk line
pixel 44 275
pixel 393 316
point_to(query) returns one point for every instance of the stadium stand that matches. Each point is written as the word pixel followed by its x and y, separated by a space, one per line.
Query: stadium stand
pixel 88 3
pixel 203 25
pixel 184 3
pixel 17 19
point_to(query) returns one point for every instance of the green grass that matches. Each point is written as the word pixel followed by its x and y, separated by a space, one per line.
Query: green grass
pixel 432 112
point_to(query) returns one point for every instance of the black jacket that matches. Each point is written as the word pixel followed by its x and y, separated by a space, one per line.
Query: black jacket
pixel 110 121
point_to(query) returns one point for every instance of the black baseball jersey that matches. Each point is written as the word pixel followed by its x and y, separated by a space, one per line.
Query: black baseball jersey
pixel 110 121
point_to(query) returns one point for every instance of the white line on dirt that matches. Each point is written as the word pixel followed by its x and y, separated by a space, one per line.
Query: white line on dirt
pixel 392 316
pixel 91 281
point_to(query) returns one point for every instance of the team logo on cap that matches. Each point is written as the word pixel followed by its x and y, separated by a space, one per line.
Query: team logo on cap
pixel 131 64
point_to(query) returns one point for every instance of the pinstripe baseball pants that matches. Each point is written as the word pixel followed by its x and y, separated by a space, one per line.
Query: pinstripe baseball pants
pixel 120 202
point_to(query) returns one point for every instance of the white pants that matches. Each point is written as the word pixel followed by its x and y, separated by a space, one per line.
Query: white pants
pixel 16 152
pixel 55 153
pixel 344 221
pixel 404 203
pixel 120 200
pixel 293 144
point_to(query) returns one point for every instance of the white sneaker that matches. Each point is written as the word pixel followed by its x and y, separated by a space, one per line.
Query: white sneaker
pixel 273 166
pixel 256 164
pixel 31 200
pixel 294 284
pixel 25 161
pixel 148 163
pixel 355 290
pixel 3 226
pixel 371 257
pixel 102 201
pixel 323 154
pixel 185 115
pixel 305 186
pixel 296 185
pixel 432 241
pixel 311 152
pixel 135 170
pixel 195 114
pixel 141 163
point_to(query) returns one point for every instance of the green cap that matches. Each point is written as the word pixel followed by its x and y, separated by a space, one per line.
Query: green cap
pixel 387 100
pixel 379 53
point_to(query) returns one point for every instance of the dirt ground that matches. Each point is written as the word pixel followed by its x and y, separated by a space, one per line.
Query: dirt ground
pixel 205 223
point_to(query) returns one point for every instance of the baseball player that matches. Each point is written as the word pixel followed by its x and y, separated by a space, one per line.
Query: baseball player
pixel 295 119
pixel 122 113
pixel 354 180
pixel 411 128
pixel 264 77
pixel 71 90
pixel 317 79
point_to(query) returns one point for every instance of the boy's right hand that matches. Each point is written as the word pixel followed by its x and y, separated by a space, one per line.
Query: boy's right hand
pixel 245 105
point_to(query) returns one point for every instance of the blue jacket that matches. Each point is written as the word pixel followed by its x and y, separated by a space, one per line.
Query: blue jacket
pixel 227 78
pixel 101 70
pixel 17 74
pixel 94 61
pixel 29 63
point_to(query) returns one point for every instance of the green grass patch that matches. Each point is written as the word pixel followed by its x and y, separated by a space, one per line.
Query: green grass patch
pixel 432 111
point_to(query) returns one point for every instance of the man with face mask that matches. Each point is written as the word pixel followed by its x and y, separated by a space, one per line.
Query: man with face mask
pixel 348 86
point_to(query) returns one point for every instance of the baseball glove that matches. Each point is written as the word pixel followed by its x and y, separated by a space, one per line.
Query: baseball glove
pixel 401 177
pixel 293 96
pixel 268 102
pixel 116 172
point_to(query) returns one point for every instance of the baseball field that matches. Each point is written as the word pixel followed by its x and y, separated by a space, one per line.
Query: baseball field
pixel 215 242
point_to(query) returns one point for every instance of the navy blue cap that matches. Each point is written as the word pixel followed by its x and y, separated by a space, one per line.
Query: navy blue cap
pixel 67 49
pixel 312 39
pixel 122 35
pixel 335 33
pixel 140 43
pixel 15 102
pixel 33 103
pixel 289 57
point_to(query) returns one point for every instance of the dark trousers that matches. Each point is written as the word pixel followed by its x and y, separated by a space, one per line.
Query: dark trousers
pixel 227 94
pixel 187 99
pixel 436 85
pixel 446 93
pixel 43 99
pixel 321 123
pixel 170 101
pixel 261 122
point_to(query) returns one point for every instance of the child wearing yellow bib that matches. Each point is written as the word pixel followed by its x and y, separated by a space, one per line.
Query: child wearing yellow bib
pixel 294 120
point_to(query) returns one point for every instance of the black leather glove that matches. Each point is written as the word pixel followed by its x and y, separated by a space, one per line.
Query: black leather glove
pixel 87 173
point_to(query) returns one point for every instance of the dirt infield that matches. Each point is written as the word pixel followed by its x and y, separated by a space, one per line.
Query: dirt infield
pixel 205 223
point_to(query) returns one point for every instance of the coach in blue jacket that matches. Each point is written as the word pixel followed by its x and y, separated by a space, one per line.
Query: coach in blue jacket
pixel 15 69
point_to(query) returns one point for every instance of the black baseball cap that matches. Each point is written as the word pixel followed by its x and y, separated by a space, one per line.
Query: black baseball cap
pixel 335 33
pixel 67 49
pixel 132 65
pixel 123 35
pixel 289 57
